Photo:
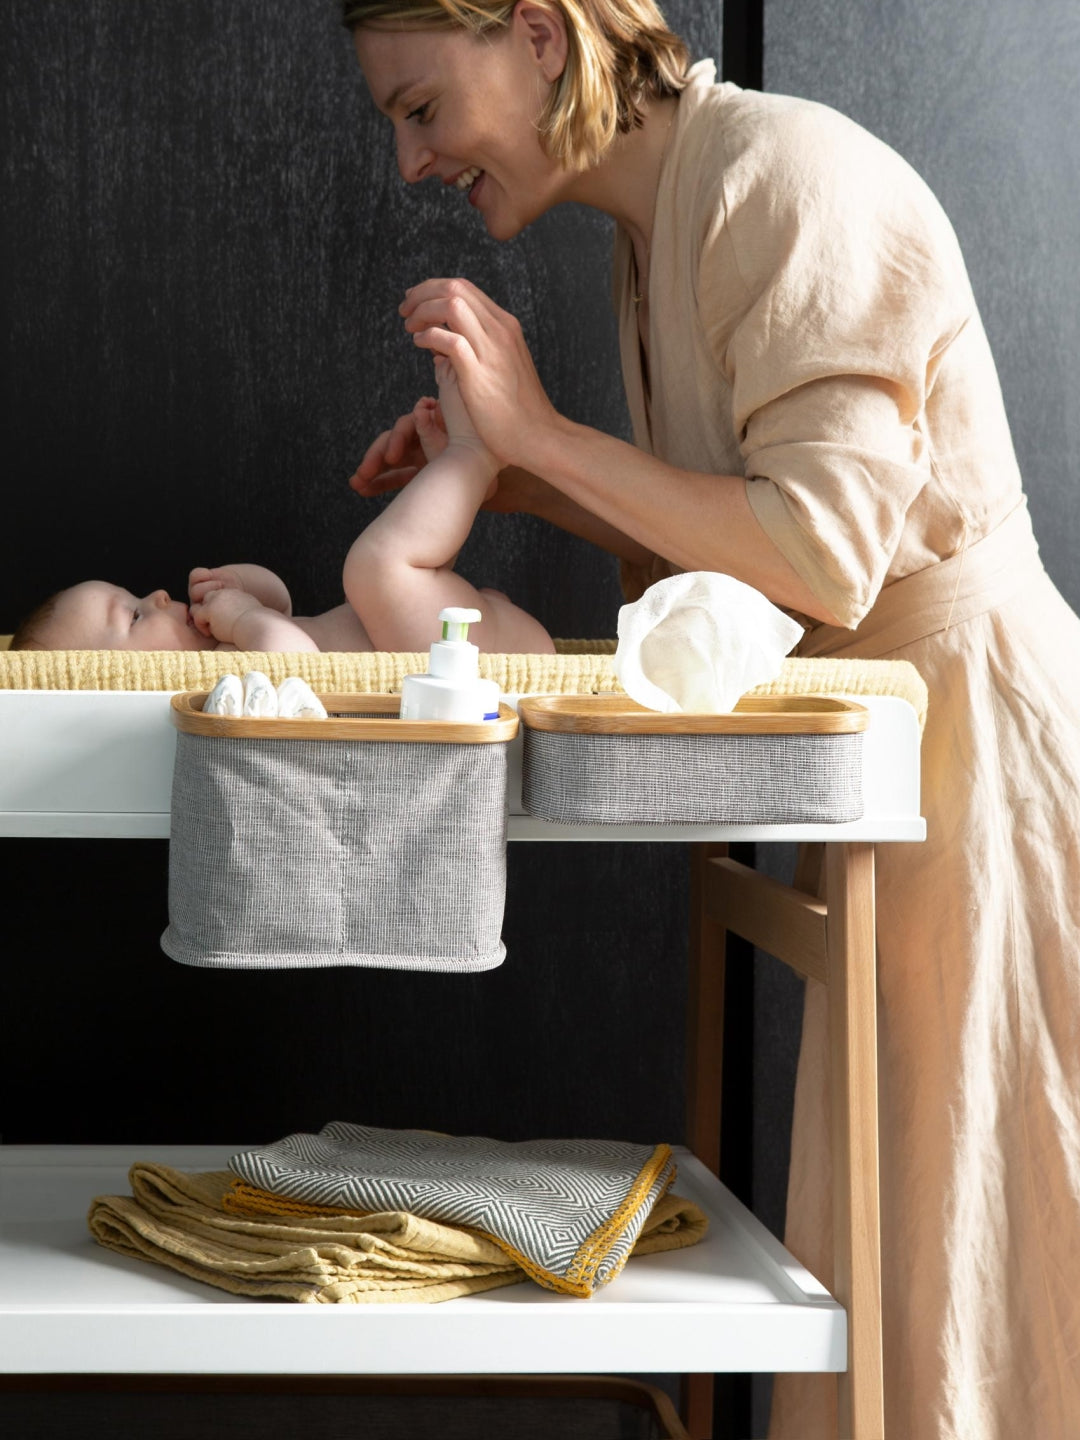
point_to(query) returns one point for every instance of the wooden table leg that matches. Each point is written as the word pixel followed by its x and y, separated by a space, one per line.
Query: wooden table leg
pixel 705 1063
pixel 696 1405
pixel 852 989
pixel 705 1014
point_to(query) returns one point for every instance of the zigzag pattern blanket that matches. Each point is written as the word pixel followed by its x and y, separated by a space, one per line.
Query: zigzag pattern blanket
pixel 567 1211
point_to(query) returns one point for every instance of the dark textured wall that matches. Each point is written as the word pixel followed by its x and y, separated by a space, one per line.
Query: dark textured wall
pixel 206 240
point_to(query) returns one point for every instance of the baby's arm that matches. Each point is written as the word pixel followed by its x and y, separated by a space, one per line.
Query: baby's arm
pixel 239 620
pixel 269 589
pixel 399 573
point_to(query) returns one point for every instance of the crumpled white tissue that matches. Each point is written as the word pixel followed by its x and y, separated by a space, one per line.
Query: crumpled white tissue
pixel 698 641
pixel 295 698
pixel 260 697
pixel 226 698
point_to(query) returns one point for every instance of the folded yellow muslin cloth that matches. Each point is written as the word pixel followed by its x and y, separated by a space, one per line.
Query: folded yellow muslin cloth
pixel 568 1212
pixel 189 1223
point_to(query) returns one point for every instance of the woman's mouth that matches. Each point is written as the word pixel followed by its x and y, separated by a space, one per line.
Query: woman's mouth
pixel 465 180
pixel 470 181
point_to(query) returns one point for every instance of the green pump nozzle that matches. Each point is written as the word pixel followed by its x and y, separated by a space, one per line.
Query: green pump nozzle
pixel 456 622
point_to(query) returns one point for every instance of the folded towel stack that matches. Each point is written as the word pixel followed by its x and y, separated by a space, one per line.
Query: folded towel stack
pixel 567 1211
pixel 360 1215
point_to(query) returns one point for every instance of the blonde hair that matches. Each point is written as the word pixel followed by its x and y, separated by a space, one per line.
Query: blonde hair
pixel 620 55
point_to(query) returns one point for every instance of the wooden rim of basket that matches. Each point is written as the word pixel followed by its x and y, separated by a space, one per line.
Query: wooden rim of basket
pixel 753 715
pixel 351 717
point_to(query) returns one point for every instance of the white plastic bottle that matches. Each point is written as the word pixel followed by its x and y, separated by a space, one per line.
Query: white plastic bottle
pixel 452 688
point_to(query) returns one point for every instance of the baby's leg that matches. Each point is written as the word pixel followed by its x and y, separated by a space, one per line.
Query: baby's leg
pixel 399 573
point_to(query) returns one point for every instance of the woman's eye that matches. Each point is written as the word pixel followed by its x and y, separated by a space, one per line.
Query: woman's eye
pixel 420 112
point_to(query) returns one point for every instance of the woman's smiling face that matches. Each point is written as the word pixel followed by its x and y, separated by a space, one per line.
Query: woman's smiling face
pixel 465 110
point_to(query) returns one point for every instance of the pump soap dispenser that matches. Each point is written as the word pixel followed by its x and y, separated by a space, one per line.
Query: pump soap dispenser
pixel 452 688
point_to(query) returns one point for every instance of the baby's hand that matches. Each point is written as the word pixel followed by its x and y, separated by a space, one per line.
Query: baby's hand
pixel 218 611
pixel 203 581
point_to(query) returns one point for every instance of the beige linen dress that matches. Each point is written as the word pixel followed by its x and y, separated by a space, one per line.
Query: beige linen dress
pixel 813 328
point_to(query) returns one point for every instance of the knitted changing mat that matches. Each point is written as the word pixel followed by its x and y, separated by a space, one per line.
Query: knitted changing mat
pixel 579 667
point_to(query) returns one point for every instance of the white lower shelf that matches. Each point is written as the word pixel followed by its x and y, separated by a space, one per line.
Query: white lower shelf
pixel 736 1302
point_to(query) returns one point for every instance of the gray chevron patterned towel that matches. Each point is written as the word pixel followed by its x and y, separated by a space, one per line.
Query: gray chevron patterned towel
pixel 567 1211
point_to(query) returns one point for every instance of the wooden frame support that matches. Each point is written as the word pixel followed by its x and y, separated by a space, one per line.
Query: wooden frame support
pixel 849 888
pixel 831 941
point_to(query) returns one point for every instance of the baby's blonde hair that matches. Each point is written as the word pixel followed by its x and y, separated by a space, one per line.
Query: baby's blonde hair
pixel 32 633
pixel 620 55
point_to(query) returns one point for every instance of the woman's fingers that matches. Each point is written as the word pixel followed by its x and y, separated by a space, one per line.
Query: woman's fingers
pixel 460 317
pixel 443 290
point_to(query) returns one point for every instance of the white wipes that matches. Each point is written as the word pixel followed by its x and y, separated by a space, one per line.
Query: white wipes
pixel 296 699
pixel 260 697
pixel 226 698
pixel 698 641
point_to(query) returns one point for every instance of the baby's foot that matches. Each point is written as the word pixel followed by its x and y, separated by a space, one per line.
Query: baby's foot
pixel 459 426
pixel 430 427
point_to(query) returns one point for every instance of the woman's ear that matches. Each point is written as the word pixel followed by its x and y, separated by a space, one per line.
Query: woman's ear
pixel 543 28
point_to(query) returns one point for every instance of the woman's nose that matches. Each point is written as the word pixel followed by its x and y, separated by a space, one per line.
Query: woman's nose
pixel 414 160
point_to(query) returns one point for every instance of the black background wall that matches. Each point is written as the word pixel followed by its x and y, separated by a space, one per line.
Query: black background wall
pixel 204 243
pixel 205 246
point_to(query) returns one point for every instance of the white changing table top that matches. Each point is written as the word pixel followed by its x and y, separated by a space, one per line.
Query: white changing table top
pixel 98 763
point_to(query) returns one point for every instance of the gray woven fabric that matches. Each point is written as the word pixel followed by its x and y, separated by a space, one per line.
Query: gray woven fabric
pixel 581 779
pixel 570 1210
pixel 287 853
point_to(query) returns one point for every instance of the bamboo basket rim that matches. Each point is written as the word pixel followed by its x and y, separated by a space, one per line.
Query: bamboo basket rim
pixel 349 718
pixel 753 715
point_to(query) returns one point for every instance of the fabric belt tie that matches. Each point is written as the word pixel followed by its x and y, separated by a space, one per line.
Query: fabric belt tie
pixel 977 579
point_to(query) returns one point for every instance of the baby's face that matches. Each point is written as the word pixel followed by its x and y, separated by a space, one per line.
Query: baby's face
pixel 98 616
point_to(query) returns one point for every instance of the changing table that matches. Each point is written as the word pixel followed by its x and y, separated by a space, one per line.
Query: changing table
pixel 98 764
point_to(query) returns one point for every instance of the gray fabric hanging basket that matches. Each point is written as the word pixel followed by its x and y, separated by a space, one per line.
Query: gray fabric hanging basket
pixel 603 760
pixel 356 840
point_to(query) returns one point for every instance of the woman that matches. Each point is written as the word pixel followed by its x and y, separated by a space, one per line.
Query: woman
pixel 816 412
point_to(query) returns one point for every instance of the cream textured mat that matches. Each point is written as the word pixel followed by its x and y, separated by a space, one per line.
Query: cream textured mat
pixel 580 667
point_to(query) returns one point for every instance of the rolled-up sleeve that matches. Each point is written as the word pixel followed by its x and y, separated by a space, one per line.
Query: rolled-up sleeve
pixel 851 287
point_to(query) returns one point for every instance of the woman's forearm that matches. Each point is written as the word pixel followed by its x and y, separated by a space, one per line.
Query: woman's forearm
pixel 538 497
pixel 698 521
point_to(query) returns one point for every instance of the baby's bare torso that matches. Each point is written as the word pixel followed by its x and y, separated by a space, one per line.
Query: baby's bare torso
pixel 337 629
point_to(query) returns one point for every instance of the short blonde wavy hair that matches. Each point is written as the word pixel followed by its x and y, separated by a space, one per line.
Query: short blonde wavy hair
pixel 620 55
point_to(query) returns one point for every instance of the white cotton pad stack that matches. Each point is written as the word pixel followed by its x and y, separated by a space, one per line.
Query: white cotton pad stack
pixel 255 696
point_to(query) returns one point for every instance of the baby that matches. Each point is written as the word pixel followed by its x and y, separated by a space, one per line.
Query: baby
pixel 398 575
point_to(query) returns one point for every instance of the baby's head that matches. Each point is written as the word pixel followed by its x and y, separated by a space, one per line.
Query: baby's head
pixel 98 616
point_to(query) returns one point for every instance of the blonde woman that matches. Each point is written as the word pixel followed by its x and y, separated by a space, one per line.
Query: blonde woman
pixel 816 412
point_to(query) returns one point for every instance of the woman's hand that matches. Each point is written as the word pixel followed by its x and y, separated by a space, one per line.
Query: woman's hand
pixel 499 383
pixel 395 456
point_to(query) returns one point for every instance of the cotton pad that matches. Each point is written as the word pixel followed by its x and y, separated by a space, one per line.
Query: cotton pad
pixel 296 699
pixel 260 697
pixel 226 698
